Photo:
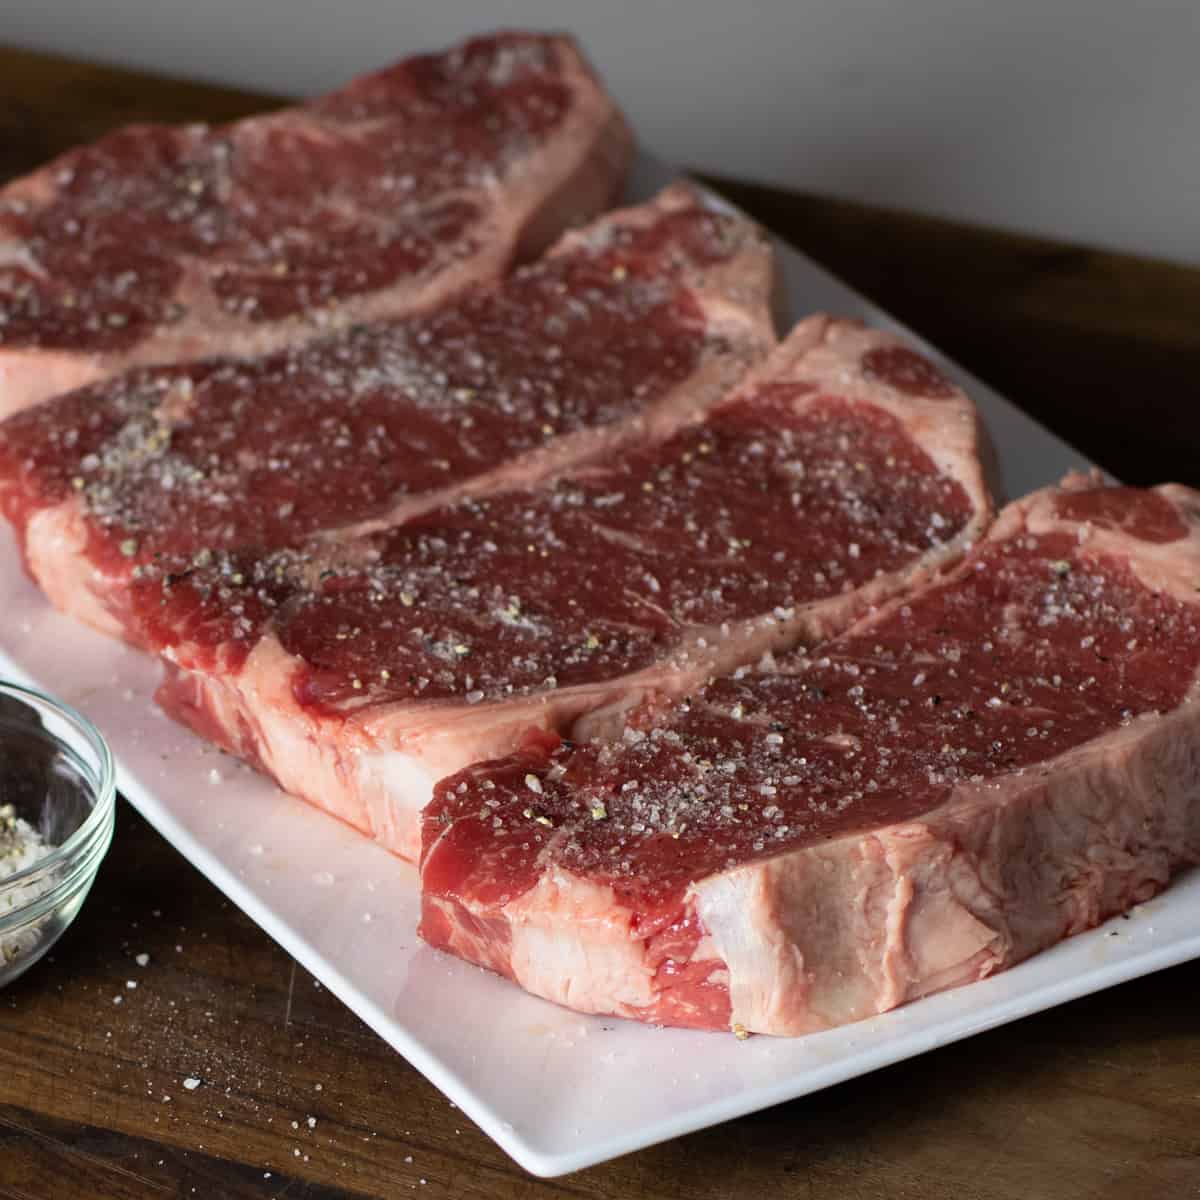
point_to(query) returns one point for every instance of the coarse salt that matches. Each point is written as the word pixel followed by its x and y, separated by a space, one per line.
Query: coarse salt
pixel 21 847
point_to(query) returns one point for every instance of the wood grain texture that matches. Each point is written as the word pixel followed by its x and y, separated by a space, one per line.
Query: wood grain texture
pixel 1096 1099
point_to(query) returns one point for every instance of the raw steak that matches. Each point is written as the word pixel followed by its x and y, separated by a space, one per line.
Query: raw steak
pixel 159 243
pixel 357 673
pixel 999 760
pixel 646 315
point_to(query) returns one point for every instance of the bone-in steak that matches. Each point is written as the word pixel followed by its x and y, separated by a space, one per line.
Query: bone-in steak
pixel 359 671
pixel 648 314
pixel 161 243
pixel 999 760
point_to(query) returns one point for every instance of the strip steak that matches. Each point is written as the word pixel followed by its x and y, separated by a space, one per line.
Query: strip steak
pixel 993 763
pixel 161 243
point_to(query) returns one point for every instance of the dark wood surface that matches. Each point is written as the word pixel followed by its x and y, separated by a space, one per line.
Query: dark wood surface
pixel 1099 1098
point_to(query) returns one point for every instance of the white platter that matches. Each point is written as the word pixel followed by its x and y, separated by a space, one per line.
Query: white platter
pixel 556 1090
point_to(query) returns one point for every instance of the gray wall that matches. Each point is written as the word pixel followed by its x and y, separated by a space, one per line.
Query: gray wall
pixel 1064 117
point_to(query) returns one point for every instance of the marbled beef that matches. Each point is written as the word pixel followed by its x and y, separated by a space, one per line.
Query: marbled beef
pixel 648 314
pixel 160 243
pixel 358 671
pixel 986 766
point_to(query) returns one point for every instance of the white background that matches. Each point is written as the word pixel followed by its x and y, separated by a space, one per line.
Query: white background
pixel 1067 117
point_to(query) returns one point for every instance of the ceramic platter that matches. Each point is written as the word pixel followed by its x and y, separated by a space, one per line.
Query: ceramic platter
pixel 556 1090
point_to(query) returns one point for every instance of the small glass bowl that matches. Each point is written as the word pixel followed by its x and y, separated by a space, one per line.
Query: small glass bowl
pixel 57 773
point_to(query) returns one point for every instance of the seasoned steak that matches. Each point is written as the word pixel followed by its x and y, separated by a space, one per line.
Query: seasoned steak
pixel 991 763
pixel 160 243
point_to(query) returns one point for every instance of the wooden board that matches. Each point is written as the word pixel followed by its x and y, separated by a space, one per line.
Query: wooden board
pixel 1095 1099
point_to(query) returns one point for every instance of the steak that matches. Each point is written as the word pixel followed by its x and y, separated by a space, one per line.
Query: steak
pixel 996 761
pixel 359 671
pixel 161 243
pixel 646 315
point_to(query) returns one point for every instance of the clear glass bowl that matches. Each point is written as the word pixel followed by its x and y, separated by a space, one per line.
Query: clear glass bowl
pixel 57 774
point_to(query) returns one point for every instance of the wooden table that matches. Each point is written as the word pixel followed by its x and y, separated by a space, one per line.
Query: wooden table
pixel 1100 1098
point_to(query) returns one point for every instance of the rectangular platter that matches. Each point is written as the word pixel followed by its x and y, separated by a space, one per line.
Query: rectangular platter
pixel 557 1091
